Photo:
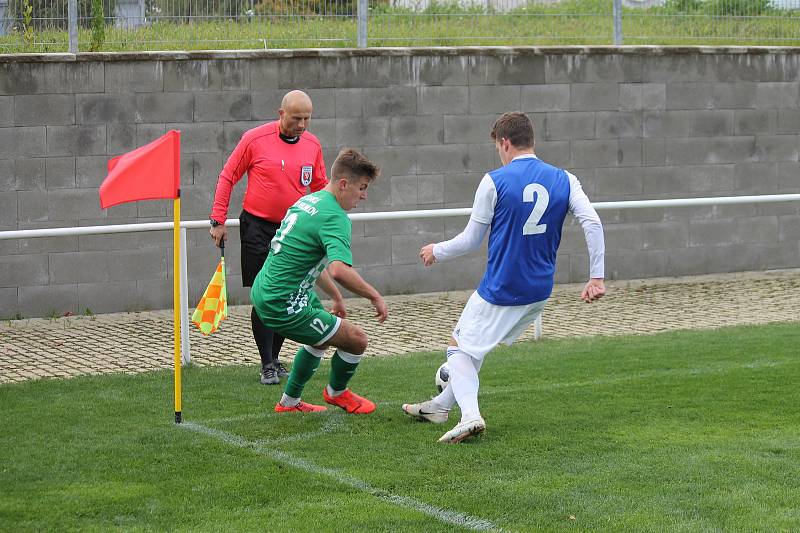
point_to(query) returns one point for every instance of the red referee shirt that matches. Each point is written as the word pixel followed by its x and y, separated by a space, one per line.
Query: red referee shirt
pixel 278 173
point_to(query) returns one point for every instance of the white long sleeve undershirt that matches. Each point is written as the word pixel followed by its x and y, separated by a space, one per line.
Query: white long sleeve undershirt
pixel 468 240
pixel 581 208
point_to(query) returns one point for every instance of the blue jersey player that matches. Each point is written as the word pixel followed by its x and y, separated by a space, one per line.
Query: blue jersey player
pixel 522 205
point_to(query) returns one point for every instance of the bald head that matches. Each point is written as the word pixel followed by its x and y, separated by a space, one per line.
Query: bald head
pixel 294 99
pixel 295 113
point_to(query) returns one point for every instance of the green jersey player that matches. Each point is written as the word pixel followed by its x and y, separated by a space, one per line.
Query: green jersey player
pixel 312 247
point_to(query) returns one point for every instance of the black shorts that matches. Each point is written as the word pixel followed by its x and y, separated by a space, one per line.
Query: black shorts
pixel 255 234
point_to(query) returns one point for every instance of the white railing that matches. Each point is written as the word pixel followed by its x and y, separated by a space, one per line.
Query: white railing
pixel 382 215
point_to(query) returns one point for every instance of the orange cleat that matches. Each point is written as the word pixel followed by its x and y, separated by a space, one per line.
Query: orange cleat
pixel 301 407
pixel 350 402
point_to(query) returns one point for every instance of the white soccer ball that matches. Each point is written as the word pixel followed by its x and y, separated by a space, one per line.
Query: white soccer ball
pixel 442 377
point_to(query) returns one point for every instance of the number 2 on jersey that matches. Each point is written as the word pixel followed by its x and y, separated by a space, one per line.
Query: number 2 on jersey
pixel 542 198
pixel 275 244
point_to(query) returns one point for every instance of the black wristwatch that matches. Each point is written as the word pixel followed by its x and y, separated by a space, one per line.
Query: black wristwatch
pixel 214 223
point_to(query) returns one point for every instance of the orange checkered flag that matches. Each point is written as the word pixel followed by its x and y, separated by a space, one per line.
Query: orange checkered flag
pixel 213 306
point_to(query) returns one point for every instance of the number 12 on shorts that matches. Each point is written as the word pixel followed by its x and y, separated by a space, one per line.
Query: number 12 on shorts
pixel 318 326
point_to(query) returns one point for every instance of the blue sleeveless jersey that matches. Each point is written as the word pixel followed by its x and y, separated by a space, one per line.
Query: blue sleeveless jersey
pixel 532 202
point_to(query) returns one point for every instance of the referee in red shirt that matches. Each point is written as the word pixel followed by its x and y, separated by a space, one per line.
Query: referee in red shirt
pixel 282 161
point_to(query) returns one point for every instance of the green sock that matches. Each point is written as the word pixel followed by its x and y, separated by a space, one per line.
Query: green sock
pixel 341 372
pixel 303 368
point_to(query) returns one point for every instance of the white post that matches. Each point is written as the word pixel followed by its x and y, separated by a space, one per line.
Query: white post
pixel 3 22
pixel 185 350
pixel 72 23
pixel 361 23
pixel 617 22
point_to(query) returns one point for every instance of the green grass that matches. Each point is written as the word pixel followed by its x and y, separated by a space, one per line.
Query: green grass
pixel 687 431
pixel 567 22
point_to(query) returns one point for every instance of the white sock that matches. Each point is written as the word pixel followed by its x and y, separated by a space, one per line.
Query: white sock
pixel 288 401
pixel 446 399
pixel 465 384
pixel 333 393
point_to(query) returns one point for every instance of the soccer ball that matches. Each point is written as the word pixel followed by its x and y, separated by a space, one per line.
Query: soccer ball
pixel 442 377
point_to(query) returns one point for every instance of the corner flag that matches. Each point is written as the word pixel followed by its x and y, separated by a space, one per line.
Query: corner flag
pixel 150 172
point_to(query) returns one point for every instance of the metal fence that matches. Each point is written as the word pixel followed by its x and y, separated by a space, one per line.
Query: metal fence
pixel 44 25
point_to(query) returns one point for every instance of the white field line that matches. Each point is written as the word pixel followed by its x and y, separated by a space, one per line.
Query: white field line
pixel 331 424
pixel 511 389
pixel 443 515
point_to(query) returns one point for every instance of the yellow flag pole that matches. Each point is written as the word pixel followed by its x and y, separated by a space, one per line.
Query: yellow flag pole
pixel 176 277
pixel 176 303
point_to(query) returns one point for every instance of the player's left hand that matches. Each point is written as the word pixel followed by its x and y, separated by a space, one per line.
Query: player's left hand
pixel 427 255
pixel 338 309
pixel 594 290
pixel 381 311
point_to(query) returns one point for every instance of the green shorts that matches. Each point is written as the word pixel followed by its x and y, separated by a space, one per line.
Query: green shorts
pixel 312 325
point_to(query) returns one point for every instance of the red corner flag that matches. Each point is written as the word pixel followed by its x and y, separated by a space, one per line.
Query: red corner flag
pixel 147 173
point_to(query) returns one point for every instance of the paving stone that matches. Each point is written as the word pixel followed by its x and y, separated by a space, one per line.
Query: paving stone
pixel 140 342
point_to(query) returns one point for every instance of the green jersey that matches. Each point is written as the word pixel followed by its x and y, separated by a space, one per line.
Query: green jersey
pixel 314 232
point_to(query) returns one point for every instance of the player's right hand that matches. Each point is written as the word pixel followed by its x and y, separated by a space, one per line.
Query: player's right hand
pixel 219 234
pixel 339 309
pixel 381 311
pixel 426 253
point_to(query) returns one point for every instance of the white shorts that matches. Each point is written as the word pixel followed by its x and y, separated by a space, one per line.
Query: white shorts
pixel 483 325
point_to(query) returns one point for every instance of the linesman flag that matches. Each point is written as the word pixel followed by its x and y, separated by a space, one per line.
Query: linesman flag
pixel 213 306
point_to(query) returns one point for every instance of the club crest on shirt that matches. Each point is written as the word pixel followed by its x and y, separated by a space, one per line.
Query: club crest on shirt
pixel 305 175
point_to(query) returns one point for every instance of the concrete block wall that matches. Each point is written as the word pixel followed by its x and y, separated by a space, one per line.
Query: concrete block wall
pixel 631 123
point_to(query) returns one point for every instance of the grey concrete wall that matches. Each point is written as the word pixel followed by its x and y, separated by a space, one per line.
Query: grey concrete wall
pixel 632 123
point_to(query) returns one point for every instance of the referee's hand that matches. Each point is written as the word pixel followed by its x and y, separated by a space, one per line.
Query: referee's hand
pixel 219 234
